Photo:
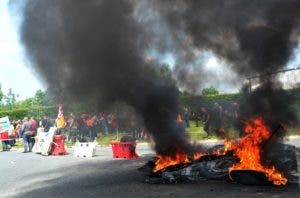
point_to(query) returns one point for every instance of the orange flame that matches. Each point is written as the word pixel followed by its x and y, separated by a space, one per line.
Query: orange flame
pixel 249 151
pixel 198 156
pixel 180 157
pixel 228 146
pixel 165 161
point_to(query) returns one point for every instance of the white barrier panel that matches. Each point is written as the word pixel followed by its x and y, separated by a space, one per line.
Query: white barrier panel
pixel 85 149
pixel 4 124
pixel 43 141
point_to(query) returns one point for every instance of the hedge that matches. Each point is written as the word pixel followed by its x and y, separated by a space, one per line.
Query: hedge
pixel 195 102
pixel 35 111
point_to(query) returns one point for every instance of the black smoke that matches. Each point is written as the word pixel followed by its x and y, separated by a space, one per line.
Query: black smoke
pixel 253 37
pixel 96 49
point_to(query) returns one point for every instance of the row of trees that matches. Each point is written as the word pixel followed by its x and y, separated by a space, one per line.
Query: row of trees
pixel 9 101
pixel 45 102
pixel 42 103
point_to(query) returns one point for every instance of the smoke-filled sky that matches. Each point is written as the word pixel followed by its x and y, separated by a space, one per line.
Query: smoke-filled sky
pixel 15 68
pixel 111 51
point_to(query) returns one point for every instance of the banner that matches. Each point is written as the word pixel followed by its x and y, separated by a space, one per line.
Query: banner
pixel 43 141
pixel 4 124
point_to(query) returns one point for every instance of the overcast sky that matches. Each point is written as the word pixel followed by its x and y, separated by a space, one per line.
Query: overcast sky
pixel 15 71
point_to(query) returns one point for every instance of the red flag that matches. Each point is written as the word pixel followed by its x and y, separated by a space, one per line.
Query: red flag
pixel 60 109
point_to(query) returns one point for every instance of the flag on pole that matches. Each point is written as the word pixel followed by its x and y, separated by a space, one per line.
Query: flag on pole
pixel 60 121
pixel 60 110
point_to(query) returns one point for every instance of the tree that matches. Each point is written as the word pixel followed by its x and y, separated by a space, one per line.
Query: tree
pixel 39 98
pixel 44 98
pixel 165 73
pixel 25 103
pixel 1 95
pixel 10 99
pixel 210 91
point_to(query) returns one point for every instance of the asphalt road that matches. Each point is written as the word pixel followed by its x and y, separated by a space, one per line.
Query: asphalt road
pixel 33 175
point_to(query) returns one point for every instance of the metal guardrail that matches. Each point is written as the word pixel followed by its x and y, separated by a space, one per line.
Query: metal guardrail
pixel 290 78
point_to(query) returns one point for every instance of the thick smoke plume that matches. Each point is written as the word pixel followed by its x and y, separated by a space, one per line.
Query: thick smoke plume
pixel 97 49
pixel 253 37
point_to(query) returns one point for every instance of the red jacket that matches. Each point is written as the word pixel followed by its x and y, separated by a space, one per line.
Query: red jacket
pixel 33 126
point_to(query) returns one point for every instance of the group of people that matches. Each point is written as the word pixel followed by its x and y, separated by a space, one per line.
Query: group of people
pixel 83 127
pixel 25 129
pixel 215 119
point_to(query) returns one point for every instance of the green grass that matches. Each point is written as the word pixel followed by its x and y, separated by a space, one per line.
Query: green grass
pixel 197 133
pixel 19 144
pixel 293 131
pixel 106 140
pixel 194 129
pixel 69 144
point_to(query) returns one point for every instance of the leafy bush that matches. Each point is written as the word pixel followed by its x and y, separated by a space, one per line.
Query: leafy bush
pixel 35 111
pixel 194 102
pixel 210 91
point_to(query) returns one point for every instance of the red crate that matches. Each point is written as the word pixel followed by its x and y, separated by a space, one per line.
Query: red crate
pixel 124 150
pixel 4 135
pixel 58 146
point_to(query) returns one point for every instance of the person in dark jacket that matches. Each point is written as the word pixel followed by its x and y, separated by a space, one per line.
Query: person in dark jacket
pixel 26 132
pixel 46 124
pixel 206 119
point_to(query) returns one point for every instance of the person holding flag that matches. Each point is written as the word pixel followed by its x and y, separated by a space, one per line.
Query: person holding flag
pixel 60 121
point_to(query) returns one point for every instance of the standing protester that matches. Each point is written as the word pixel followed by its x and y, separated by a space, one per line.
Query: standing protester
pixel 104 123
pixel 60 121
pixel 82 133
pixel 5 144
pixel 109 121
pixel 72 128
pixel 34 126
pixel 196 115
pixel 12 134
pixel 26 132
pixel 33 123
pixel 180 125
pixel 18 128
pixel 236 117
pixel 186 117
pixel 216 118
pixel 206 119
pixel 133 126
pixel 90 127
pixel 94 128
pixel 114 123
pixel 46 124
